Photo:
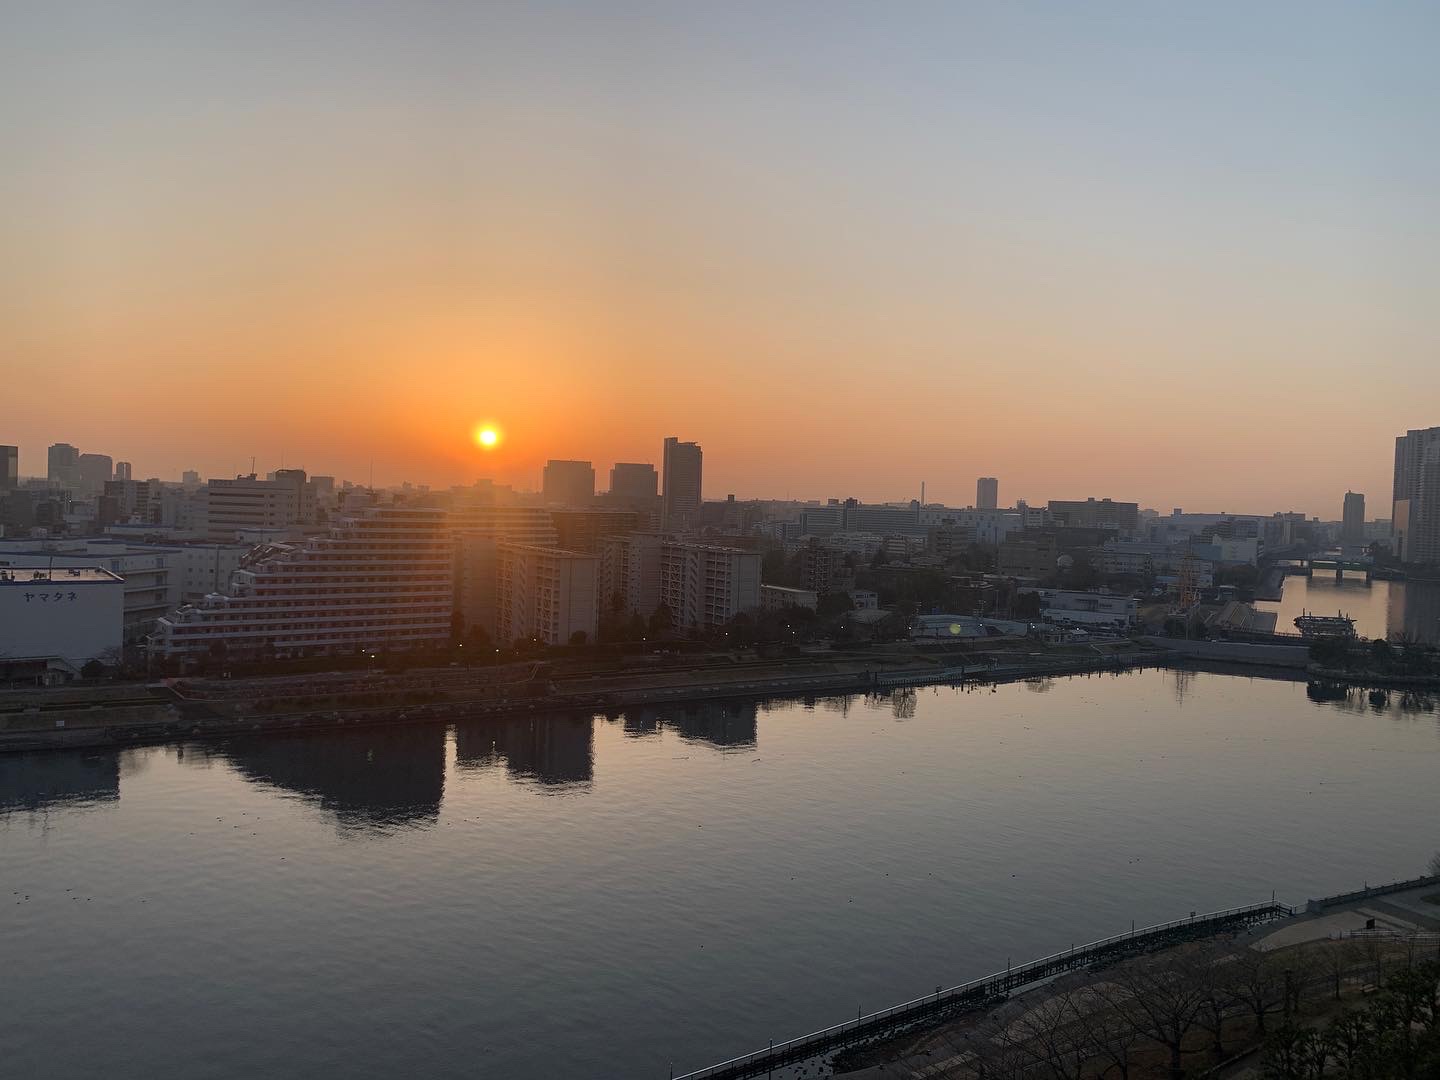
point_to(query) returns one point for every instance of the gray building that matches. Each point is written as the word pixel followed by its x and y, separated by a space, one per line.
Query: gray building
pixel 63 465
pixel 1352 523
pixel 682 468
pixel 9 468
pixel 987 493
pixel 632 480
pixel 569 483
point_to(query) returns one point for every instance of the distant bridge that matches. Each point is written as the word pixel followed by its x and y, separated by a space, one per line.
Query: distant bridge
pixel 1338 563
pixel 979 992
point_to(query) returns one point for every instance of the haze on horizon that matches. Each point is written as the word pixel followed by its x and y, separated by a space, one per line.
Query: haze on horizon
pixel 1182 256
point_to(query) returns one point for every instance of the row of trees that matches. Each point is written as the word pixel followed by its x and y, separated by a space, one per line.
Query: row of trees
pixel 1402 657
pixel 1395 1037
pixel 1187 1009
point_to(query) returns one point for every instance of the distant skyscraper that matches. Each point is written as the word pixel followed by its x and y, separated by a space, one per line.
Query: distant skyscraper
pixel 124 471
pixel 9 468
pixel 1352 527
pixel 682 467
pixel 569 483
pixel 190 478
pixel 629 480
pixel 987 493
pixel 64 465
pixel 1415 518
pixel 95 471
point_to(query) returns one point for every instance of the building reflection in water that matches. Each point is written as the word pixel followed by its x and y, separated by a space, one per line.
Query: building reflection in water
pixel 1413 611
pixel 556 752
pixel 382 777
pixel 1357 699
pixel 38 782
pixel 727 725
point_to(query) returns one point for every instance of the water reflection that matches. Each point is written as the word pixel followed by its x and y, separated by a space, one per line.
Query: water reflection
pixel 36 782
pixel 376 777
pixel 554 751
pixel 723 724
pixel 1357 699
pixel 1409 609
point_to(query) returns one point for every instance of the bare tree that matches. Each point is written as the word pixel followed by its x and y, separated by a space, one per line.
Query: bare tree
pixel 1166 995
pixel 1256 981
pixel 1105 1014
pixel 1050 1037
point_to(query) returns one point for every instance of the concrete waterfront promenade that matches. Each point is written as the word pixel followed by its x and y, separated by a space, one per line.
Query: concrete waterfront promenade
pixel 134 713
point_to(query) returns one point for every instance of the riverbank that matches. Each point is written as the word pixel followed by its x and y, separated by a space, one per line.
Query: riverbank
pixel 135 714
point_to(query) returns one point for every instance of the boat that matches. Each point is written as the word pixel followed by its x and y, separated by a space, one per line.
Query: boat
pixel 1338 625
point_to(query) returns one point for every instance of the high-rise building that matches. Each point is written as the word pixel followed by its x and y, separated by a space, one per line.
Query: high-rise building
pixel 1415 518
pixel 64 465
pixel 124 471
pixel 1095 514
pixel 581 530
pixel 632 480
pixel 190 478
pixel 682 469
pixel 1352 525
pixel 479 527
pixel 95 471
pixel 987 493
pixel 9 468
pixel 630 569
pixel 547 594
pixel 569 483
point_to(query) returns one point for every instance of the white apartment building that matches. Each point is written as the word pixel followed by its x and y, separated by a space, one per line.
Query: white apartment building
pixel 706 585
pixel 779 597
pixel 630 569
pixel 547 594
pixel 383 579
pixel 59 617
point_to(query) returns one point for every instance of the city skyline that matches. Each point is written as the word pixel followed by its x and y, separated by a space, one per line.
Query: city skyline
pixel 842 255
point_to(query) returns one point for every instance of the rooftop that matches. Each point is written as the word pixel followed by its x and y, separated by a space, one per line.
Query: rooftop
pixel 67 575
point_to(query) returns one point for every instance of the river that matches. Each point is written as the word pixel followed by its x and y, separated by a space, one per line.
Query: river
pixel 566 897
pixel 1381 609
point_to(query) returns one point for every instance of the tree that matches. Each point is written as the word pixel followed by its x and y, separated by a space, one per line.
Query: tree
pixel 662 621
pixel 833 604
pixel 92 669
pixel 1166 993
pixel 579 637
pixel 1295 1053
pixel 1434 867
pixel 1256 981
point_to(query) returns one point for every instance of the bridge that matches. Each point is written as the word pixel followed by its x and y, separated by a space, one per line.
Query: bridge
pixel 1338 563
pixel 977 993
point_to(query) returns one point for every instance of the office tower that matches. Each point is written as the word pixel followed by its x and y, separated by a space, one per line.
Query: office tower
pixel 9 468
pixel 95 471
pixel 631 480
pixel 190 478
pixel 1415 519
pixel 64 465
pixel 124 471
pixel 1352 526
pixel 682 466
pixel 569 483
pixel 987 493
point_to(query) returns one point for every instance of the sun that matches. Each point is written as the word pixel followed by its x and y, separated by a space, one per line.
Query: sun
pixel 487 436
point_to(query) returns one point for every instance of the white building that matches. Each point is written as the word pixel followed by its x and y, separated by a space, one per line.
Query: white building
pixel 149 571
pixel 630 569
pixel 1090 608
pixel 546 594
pixel 706 585
pixel 248 502
pixel 779 597
pixel 59 618
pixel 384 579
pixel 865 599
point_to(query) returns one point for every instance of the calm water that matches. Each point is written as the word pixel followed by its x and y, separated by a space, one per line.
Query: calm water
pixel 565 898
pixel 1381 609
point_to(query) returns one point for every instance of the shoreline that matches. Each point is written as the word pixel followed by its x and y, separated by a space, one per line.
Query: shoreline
pixel 169 716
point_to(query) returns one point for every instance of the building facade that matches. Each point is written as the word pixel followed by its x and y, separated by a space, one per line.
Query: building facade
pixel 987 493
pixel 249 503
pixel 1415 518
pixel 632 480
pixel 384 579
pixel 705 586
pixel 569 483
pixel 9 468
pixel 1352 521
pixel 683 465
pixel 547 595
pixel 58 617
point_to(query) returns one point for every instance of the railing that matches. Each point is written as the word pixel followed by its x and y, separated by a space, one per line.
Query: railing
pixel 976 992
pixel 1313 906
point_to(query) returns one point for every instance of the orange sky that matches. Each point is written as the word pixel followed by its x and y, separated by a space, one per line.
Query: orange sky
pixel 1113 260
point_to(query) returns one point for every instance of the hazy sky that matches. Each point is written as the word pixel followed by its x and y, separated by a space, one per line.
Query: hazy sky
pixel 1182 254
